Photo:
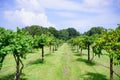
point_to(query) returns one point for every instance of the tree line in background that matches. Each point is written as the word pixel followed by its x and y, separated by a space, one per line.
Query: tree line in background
pixel 22 41
pixel 63 34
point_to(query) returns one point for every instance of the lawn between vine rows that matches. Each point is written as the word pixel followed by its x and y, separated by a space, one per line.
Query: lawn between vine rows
pixel 63 64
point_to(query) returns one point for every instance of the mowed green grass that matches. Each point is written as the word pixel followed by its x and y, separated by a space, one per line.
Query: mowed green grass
pixel 63 64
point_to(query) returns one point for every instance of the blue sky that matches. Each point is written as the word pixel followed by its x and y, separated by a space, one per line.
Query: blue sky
pixel 80 14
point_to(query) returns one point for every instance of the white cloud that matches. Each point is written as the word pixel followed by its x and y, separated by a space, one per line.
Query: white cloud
pixel 30 5
pixel 107 21
pixel 97 3
pixel 27 18
pixel 59 4
pixel 28 12
pixel 97 6
pixel 103 10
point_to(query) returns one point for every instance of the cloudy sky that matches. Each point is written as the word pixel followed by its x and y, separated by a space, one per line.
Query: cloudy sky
pixel 80 14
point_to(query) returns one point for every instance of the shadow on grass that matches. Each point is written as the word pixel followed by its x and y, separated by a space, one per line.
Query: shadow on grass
pixel 105 54
pixel 94 76
pixel 79 54
pixel 11 77
pixel 37 61
pixel 50 54
pixel 86 61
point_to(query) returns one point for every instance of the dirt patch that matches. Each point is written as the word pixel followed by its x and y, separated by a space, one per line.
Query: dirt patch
pixel 66 71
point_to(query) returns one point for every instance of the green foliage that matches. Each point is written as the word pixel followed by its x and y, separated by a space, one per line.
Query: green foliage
pixel 98 44
pixel 110 41
pixel 76 41
pixel 40 41
pixel 81 42
pixel 88 40
pixel 14 42
pixel 21 43
pixel 53 31
pixel 5 48
pixel 97 49
pixel 63 34
pixel 112 45
pixel 50 40
pixel 94 31
pixel 118 28
pixel 69 33
pixel 73 33
pixel 36 30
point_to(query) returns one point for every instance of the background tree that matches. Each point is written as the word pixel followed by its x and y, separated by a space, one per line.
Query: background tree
pixel 56 43
pixel 76 43
pixel 50 42
pixel 53 31
pixel 63 34
pixel 88 41
pixel 72 33
pixel 33 30
pixel 118 28
pixel 40 42
pixel 81 43
pixel 36 30
pixel 94 31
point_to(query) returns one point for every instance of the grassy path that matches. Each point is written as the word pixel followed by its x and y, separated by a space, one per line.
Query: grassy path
pixel 60 65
